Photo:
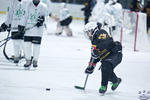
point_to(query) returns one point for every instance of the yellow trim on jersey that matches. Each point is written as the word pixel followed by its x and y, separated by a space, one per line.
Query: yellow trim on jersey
pixel 105 56
pixel 94 46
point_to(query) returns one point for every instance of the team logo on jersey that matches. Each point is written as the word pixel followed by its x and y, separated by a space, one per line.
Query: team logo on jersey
pixel 144 95
pixel 20 12
pixel 102 36
pixel 34 16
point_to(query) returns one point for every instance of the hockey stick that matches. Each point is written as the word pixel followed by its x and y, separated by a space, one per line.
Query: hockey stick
pixel 7 39
pixel 80 87
pixel 83 88
pixel 4 49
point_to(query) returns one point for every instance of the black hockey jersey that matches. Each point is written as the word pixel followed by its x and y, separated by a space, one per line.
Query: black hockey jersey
pixel 103 43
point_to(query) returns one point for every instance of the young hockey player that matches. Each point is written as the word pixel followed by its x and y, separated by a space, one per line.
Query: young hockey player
pixel 105 50
pixel 64 20
pixel 16 12
pixel 34 20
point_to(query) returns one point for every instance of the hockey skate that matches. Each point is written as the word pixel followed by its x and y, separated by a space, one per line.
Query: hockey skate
pixel 102 89
pixel 28 64
pixel 35 64
pixel 58 33
pixel 115 85
pixel 16 60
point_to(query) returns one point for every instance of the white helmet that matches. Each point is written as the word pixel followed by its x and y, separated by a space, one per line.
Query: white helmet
pixel 89 29
pixel 112 1
pixel 63 5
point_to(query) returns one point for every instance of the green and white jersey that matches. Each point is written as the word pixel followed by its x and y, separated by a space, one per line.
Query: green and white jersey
pixel 33 12
pixel 16 11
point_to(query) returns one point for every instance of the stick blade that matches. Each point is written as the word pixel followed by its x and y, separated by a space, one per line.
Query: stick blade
pixel 79 87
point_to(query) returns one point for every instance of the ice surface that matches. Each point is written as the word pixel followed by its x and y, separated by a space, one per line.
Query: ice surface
pixel 61 66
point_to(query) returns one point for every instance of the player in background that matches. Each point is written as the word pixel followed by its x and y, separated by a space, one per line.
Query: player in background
pixel 16 12
pixel 105 50
pixel 136 6
pixel 147 11
pixel 35 18
pixel 97 10
pixel 115 9
pixel 87 10
pixel 64 20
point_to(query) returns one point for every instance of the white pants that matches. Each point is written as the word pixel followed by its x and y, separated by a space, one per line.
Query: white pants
pixel 60 29
pixel 18 46
pixel 32 50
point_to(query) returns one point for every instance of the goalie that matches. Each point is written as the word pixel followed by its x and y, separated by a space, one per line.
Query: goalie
pixel 64 21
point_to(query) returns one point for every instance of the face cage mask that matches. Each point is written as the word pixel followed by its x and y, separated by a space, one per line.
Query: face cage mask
pixel 89 34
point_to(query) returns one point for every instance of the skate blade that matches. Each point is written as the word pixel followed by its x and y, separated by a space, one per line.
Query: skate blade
pixel 27 68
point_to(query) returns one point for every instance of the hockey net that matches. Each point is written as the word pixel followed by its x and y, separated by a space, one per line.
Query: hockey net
pixel 133 35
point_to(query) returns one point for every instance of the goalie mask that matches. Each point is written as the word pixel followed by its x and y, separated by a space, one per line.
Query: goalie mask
pixel 89 30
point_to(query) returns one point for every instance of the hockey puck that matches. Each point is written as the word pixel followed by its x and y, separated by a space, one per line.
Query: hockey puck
pixel 48 89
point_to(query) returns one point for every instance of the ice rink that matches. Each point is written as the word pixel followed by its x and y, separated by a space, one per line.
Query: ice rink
pixel 61 66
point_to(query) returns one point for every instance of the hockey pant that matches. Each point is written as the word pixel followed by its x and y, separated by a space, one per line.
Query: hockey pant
pixel 60 29
pixel 31 49
pixel 108 66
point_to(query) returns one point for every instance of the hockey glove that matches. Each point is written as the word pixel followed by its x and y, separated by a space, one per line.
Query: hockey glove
pixel 4 27
pixel 40 21
pixel 90 68
pixel 113 28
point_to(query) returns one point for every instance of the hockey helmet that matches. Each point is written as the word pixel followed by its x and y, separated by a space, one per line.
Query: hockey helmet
pixel 89 29
pixel 63 5
pixel 114 0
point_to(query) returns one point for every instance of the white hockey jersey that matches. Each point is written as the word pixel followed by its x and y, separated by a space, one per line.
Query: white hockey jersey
pixel 64 13
pixel 33 12
pixel 48 4
pixel 116 11
pixel 16 11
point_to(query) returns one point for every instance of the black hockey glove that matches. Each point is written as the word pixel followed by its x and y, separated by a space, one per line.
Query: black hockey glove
pixel 21 30
pixel 90 68
pixel 40 21
pixel 4 27
pixel 113 28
